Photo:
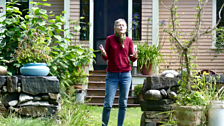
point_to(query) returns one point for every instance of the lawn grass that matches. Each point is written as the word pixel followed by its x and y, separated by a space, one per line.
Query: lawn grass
pixel 91 116
pixel 132 118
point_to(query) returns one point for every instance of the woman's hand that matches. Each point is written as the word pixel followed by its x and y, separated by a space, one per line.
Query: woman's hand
pixel 103 52
pixel 135 54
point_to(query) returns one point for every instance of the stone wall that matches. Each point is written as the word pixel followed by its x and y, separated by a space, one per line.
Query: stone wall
pixel 31 96
pixel 159 95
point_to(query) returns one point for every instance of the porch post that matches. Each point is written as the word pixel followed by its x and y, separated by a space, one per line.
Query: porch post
pixel 155 21
pixel 91 21
pixel 67 16
pixel 129 18
pixel 214 23
pixel 155 28
pixel 30 5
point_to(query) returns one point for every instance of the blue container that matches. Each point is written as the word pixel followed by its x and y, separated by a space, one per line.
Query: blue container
pixel 35 69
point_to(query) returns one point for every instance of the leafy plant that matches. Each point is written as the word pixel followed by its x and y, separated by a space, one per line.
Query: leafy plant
pixel 32 48
pixel 11 33
pixel 138 89
pixel 68 59
pixel 150 54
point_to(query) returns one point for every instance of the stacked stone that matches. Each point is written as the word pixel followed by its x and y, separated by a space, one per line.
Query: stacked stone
pixel 32 96
pixel 159 94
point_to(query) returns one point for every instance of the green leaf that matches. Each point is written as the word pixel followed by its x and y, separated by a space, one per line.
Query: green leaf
pixel 41 23
pixel 10 33
pixel 42 11
pixel 51 21
pixel 46 4
pixel 44 16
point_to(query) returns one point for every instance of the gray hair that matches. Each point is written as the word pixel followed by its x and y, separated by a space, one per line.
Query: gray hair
pixel 119 20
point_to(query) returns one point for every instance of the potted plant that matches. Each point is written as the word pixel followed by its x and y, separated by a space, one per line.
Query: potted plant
pixel 33 53
pixel 137 92
pixel 189 103
pixel 149 56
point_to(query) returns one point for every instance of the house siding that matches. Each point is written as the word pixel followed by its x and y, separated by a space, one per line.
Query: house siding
pixel 57 6
pixel 75 15
pixel 203 53
pixel 146 13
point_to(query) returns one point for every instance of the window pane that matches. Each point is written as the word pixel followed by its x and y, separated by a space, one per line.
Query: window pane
pixel 84 32
pixel 136 9
pixel 85 10
pixel 136 22
pixel 85 1
pixel 136 1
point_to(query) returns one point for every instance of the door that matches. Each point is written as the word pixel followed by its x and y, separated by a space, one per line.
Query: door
pixel 105 13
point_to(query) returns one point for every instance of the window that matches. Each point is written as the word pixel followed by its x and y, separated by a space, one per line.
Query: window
pixel 23 5
pixel 218 6
pixel 136 19
pixel 84 12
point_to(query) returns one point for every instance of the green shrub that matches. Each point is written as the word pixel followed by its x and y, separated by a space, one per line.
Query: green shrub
pixel 138 89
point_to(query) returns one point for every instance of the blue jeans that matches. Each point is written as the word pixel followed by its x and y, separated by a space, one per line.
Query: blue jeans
pixel 112 81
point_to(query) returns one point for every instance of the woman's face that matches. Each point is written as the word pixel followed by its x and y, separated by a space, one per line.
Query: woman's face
pixel 121 28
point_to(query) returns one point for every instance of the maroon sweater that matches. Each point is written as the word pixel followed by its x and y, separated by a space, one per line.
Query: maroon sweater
pixel 117 56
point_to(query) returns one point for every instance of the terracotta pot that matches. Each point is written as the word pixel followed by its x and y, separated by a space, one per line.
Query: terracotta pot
pixel 139 96
pixel 146 71
pixel 78 87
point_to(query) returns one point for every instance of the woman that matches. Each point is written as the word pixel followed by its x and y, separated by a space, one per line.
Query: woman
pixel 118 49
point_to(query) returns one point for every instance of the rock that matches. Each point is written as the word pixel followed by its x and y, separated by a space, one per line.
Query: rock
pixel 40 84
pixel 156 114
pixel 3 110
pixel 159 105
pixel 153 95
pixel 150 124
pixel 37 98
pixel 158 82
pixel 164 93
pixel 4 89
pixel 19 84
pixel 142 123
pixel 12 84
pixel 54 96
pixel 45 97
pixel 19 89
pixel 3 70
pixel 24 97
pixel 38 111
pixel 2 80
pixel 51 101
pixel 9 97
pixel 171 72
pixel 13 103
pixel 172 95
pixel 35 103
pixel 169 75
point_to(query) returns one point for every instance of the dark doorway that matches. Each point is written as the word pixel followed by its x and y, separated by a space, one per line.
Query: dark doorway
pixel 105 13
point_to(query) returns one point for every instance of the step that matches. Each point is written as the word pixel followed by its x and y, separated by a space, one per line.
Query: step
pixel 100 99
pixel 115 104
pixel 97 77
pixel 101 92
pixel 104 72
pixel 96 84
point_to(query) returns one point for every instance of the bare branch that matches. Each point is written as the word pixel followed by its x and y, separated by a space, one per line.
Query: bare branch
pixel 209 31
